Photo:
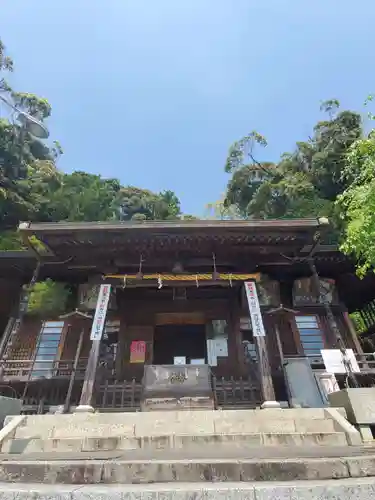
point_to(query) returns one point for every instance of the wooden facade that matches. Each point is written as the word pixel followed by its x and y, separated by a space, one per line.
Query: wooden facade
pixel 160 312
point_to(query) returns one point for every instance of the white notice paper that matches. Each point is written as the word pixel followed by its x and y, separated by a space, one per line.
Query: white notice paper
pixel 254 309
pixel 211 352
pixel 221 347
pixel 198 361
pixel 334 363
pixel 179 360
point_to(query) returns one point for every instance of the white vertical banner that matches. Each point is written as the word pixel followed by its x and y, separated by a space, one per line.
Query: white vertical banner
pixel 254 309
pixel 100 312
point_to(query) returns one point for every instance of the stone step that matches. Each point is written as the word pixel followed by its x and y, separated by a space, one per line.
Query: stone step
pixel 186 471
pixel 154 424
pixel 358 488
pixel 132 418
pixel 186 442
pixel 89 429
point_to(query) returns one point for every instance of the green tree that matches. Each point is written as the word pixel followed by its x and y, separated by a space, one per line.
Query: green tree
pixel 357 203
pixel 304 183
pixel 142 204
pixel 19 151
pixel 221 210
pixel 75 197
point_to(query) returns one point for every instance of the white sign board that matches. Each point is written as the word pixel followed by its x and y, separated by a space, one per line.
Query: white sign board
pixel 100 312
pixel 198 361
pixel 211 352
pixel 221 346
pixel 334 363
pixel 179 360
pixel 254 309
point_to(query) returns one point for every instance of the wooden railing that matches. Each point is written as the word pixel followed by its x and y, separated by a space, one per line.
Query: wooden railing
pixel 119 396
pixel 366 363
pixel 28 369
pixel 228 392
pixel 236 392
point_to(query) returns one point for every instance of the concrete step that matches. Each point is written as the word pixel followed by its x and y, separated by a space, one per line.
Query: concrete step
pixel 144 429
pixel 186 471
pixel 358 488
pixel 190 442
pixel 179 423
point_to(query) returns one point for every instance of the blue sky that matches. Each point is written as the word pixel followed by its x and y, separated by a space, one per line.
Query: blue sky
pixel 155 91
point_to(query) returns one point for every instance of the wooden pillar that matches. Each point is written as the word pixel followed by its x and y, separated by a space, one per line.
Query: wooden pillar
pixel 266 383
pixel 332 323
pixel 265 373
pixel 85 403
pixel 278 315
pixel 98 325
pixel 352 331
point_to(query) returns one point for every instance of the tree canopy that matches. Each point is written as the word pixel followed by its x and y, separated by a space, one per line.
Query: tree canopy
pixel 331 174
pixel 357 203
pixel 33 188
pixel 303 183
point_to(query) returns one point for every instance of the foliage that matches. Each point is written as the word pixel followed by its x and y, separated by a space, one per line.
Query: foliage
pixel 19 151
pixel 358 322
pixel 6 64
pixel 48 298
pixel 220 210
pixel 357 203
pixel 306 182
pixel 142 204
pixel 10 240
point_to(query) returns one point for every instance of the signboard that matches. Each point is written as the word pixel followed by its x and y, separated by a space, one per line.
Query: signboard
pixel 211 353
pixel 221 347
pixel 254 309
pixel 217 347
pixel 179 360
pixel 305 294
pixel 334 363
pixel 138 351
pixel 100 312
pixel 199 361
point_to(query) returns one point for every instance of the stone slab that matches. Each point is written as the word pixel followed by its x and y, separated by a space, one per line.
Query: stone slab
pixel 286 420
pixel 315 425
pixel 179 427
pixel 177 404
pixel 198 470
pixel 229 451
pixel 304 439
pixel 9 406
pixel 219 442
pixel 88 430
pixel 359 489
pixel 359 404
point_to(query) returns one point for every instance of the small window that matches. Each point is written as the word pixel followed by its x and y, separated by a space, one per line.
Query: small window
pixel 310 334
pixel 47 349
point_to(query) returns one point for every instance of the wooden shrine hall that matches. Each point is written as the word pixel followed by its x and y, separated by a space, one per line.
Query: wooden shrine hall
pixel 178 297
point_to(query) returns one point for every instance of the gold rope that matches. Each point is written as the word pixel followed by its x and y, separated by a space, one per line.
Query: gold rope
pixel 185 277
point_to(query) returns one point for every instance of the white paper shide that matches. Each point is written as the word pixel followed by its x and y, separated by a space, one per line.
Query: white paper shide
pixel 254 309
pixel 100 312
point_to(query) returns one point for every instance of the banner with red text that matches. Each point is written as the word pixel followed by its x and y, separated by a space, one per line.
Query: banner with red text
pixel 254 309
